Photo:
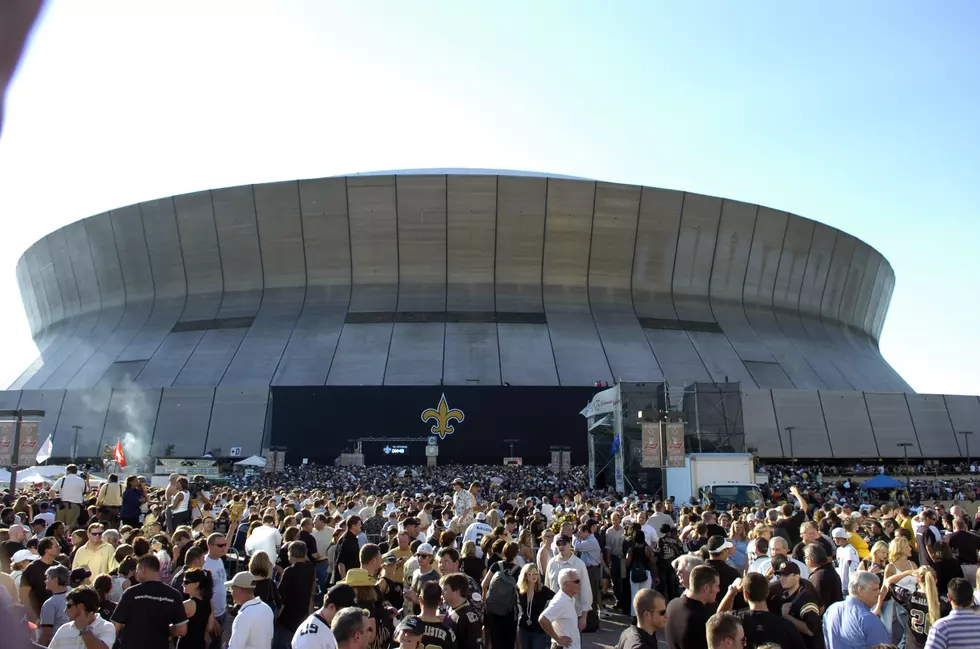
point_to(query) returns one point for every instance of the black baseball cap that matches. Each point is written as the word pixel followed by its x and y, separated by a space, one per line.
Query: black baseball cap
pixel 786 568
pixel 412 624
pixel 341 596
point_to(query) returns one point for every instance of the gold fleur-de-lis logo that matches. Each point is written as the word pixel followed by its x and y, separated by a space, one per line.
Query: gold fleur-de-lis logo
pixel 442 415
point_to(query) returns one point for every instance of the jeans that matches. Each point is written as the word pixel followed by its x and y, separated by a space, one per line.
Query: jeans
pixel 322 576
pixel 219 641
pixel 282 638
pixel 534 639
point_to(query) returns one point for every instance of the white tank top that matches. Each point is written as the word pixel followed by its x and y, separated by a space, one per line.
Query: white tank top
pixel 184 503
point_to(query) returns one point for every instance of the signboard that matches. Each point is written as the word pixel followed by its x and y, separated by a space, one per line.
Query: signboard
pixel 187 467
pixel 431 451
pixel 512 461
pixel 6 442
pixel 651 453
pixel 566 460
pixel 556 461
pixel 675 444
pixel 235 451
pixel 397 449
pixel 28 444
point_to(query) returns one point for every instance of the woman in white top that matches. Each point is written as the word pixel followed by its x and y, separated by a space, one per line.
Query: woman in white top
pixel 181 503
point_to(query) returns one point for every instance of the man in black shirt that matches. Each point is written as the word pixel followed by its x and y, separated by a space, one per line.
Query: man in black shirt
pixel 466 623
pixel 436 632
pixel 719 550
pixel 33 592
pixel 348 554
pixel 712 528
pixel 687 616
pixel 760 624
pixel 651 615
pixel 823 576
pixel 788 525
pixel 927 537
pixel 298 582
pixel 963 543
pixel 149 612
pixel 800 605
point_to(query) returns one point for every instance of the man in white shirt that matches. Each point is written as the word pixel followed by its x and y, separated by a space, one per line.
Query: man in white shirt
pixel 847 557
pixel 87 629
pixel 265 539
pixel 218 548
pixel 660 517
pixel 651 536
pixel 566 559
pixel 71 488
pixel 252 628
pixel 559 618
pixel 314 632
pixel 476 531
pixel 778 547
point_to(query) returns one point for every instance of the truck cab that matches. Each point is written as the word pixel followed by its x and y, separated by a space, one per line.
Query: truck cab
pixel 725 495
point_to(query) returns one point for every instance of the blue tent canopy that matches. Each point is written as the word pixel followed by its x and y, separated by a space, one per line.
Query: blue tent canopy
pixel 882 482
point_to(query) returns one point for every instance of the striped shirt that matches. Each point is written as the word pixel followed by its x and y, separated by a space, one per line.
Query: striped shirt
pixel 958 630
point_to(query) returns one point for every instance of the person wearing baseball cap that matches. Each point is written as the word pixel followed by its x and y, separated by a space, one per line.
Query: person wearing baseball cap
pixel 314 632
pixel 425 573
pixel 408 632
pixel 847 557
pixel 253 626
pixel 800 605
pixel 719 549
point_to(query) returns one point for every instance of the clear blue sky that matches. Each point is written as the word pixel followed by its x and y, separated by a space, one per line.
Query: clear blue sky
pixel 863 115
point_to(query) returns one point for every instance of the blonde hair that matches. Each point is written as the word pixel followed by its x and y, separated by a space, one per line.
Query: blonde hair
pixel 260 565
pixel 927 583
pixel 898 549
pixel 522 578
pixel 878 547
pixel 469 549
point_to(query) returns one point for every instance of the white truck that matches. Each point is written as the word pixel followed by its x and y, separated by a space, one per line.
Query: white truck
pixel 724 478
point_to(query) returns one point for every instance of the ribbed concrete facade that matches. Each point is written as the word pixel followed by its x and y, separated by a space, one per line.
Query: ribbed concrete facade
pixel 199 303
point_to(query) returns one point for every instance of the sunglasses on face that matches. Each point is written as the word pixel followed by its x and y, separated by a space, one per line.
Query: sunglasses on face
pixel 576 581
pixel 95 533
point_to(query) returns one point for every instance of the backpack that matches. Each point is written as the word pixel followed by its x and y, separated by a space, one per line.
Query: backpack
pixel 502 593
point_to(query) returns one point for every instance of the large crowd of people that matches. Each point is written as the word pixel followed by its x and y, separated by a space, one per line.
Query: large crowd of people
pixel 466 557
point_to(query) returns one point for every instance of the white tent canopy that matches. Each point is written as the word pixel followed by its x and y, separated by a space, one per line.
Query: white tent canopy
pixel 255 460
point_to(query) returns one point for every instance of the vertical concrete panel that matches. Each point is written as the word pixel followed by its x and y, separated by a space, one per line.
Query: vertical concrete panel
pixel 525 354
pixel 863 301
pixel 520 243
pixel 817 269
pixel 759 420
pixel 83 266
pixel 199 244
pixel 876 290
pixel 892 424
pixel 626 347
pixel 134 261
pixel 802 411
pixel 471 356
pixel 696 241
pixel 163 249
pixel 161 321
pixel 764 256
pixel 792 264
pixel 415 354
pixel 471 222
pixel 95 366
pixel 106 259
pixel 58 245
pixel 769 376
pixel 964 415
pixel 732 247
pixel 183 420
pixel 132 412
pixel 49 278
pixel 85 347
pixel 85 408
pixel 883 302
pixel 238 419
pixel 653 255
pixel 421 204
pixel 374 243
pixel 617 209
pixel 362 354
pixel 27 296
pixel 210 359
pixel 312 344
pixel 238 238
pixel 677 356
pixel 258 357
pixel 932 425
pixel 837 276
pixel 577 349
pixel 34 272
pixel 280 231
pixel 50 401
pixel 848 424
pixel 326 239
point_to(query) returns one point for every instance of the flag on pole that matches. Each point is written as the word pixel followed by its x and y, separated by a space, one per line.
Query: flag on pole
pixel 614 448
pixel 44 452
pixel 119 456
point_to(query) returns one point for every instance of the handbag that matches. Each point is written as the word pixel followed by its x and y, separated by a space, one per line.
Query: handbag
pixel 638 573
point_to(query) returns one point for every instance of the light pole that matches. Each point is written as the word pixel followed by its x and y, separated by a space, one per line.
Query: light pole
pixel 905 447
pixel 789 430
pixel 966 438
pixel 74 442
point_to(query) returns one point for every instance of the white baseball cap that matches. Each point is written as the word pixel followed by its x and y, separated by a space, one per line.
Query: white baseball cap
pixel 840 533
pixel 425 548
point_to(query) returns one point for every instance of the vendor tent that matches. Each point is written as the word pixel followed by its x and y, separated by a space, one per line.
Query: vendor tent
pixel 255 461
pixel 882 482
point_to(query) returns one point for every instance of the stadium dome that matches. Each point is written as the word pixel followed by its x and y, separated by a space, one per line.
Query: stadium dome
pixel 209 305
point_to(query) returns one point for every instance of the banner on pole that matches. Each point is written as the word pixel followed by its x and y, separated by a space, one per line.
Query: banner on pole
pixel 606 401
pixel 591 442
pixel 555 461
pixel 27 454
pixel 675 444
pixel 651 453
pixel 6 442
